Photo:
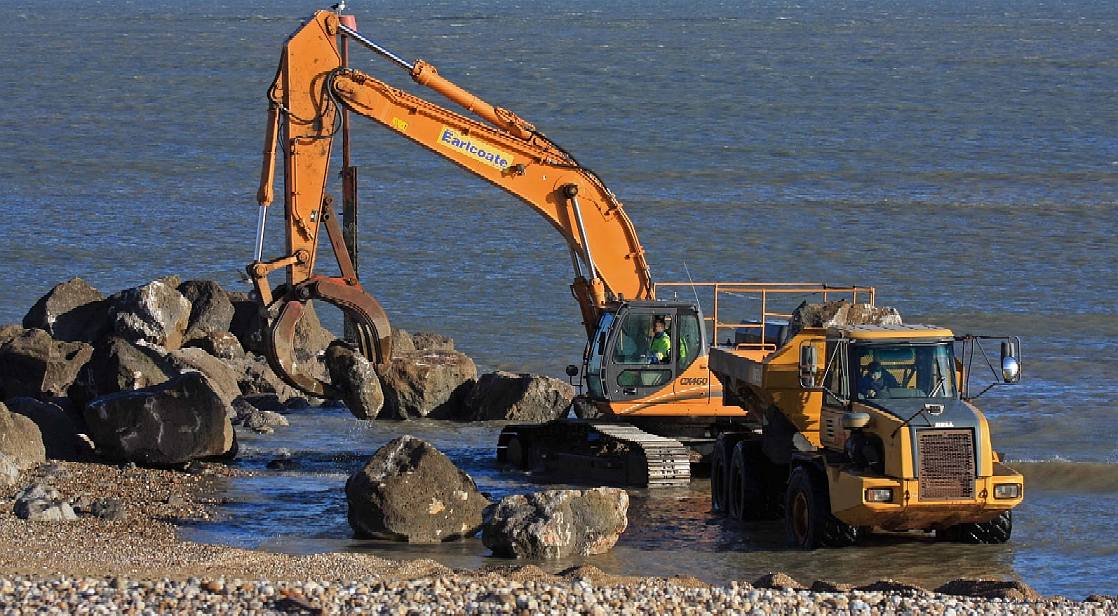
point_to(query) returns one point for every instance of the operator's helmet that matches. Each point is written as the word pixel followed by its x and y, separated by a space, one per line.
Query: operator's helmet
pixel 874 369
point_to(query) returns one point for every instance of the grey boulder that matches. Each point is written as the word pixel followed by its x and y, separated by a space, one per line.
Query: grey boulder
pixel 431 384
pixel 221 345
pixel 430 341
pixel 410 491
pixel 258 420
pixel 155 312
pixel 9 472
pixel 518 397
pixel 59 432
pixel 355 380
pixel 223 377
pixel 41 503
pixel 211 312
pixel 72 311
pixel 20 440
pixel 120 365
pixel 557 523
pixel 181 420
pixel 256 377
pixel 34 364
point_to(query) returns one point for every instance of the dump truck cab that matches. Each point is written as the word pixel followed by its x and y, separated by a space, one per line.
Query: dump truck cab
pixel 864 425
pixel 902 449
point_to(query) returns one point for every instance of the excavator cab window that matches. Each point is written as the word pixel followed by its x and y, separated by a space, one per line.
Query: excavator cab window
pixel 649 346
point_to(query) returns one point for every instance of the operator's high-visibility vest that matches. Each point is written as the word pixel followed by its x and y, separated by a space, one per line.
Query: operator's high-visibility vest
pixel 662 346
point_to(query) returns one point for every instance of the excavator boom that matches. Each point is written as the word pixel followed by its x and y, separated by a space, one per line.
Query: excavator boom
pixel 310 90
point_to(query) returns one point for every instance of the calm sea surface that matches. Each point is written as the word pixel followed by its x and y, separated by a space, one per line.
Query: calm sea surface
pixel 961 157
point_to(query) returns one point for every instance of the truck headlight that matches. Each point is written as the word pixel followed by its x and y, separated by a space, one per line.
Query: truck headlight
pixel 879 495
pixel 1007 490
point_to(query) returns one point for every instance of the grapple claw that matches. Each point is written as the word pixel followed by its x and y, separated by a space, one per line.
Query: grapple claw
pixel 373 330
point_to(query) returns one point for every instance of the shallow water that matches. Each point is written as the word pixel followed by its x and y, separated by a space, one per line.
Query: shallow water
pixel 671 532
pixel 961 157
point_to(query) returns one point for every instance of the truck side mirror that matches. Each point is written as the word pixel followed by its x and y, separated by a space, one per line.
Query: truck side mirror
pixel 1011 365
pixel 808 361
pixel 572 370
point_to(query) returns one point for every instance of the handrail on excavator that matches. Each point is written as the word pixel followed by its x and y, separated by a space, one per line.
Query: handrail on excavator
pixel 763 292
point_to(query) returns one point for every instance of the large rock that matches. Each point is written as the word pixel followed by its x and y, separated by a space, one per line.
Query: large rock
pixel 256 377
pixel 221 345
pixel 20 440
pixel 557 523
pixel 9 472
pixel 401 341
pixel 34 364
pixel 990 589
pixel 155 312
pixel 42 503
pixel 72 311
pixel 172 423
pixel 431 384
pixel 519 397
pixel 410 491
pixel 256 419
pixel 246 323
pixel 311 338
pixel 221 375
pixel 120 365
pixel 9 331
pixel 210 309
pixel 838 313
pixel 355 379
pixel 430 341
pixel 59 432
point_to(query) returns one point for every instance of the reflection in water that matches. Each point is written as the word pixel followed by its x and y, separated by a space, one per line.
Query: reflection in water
pixel 671 532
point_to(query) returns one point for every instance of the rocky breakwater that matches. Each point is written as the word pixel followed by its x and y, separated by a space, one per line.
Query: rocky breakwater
pixel 428 378
pixel 154 374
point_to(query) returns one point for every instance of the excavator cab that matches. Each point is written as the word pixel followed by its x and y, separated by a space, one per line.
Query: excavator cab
pixel 641 348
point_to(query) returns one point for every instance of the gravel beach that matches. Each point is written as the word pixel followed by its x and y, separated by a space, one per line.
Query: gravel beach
pixel 138 565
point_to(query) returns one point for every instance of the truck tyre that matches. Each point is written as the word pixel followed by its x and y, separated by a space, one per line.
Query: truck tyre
pixel 997 530
pixel 807 514
pixel 747 499
pixel 517 453
pixel 719 472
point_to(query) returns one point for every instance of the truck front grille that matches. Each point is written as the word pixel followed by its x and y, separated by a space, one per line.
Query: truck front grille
pixel 946 464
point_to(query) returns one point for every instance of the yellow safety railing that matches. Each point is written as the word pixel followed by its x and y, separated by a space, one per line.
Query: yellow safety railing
pixel 767 292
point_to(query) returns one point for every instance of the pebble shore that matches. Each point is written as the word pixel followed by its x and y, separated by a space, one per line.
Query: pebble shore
pixel 463 595
pixel 139 565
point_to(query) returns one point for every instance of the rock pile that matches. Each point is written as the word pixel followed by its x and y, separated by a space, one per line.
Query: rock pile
pixel 841 312
pixel 161 373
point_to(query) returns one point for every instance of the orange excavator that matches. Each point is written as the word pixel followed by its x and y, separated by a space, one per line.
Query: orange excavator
pixel 649 400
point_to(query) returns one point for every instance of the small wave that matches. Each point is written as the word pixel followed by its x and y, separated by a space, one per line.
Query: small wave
pixel 1068 476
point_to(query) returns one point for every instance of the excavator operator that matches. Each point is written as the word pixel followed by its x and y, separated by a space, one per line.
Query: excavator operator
pixel 661 349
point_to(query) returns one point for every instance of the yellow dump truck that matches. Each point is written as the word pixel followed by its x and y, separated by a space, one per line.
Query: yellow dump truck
pixel 860 423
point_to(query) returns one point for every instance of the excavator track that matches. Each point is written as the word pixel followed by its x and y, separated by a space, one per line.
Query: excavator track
pixel 580 451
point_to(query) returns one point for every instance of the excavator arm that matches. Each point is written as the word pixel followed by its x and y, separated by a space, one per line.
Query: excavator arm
pixel 311 89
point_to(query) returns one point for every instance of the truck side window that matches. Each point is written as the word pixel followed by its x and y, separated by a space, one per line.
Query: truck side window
pixel 835 383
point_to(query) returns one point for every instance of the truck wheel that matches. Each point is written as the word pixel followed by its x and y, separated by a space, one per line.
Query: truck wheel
pixel 719 471
pixel 517 454
pixel 807 514
pixel 997 530
pixel 747 484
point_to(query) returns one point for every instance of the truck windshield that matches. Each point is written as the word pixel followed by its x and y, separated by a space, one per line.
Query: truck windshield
pixel 904 371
